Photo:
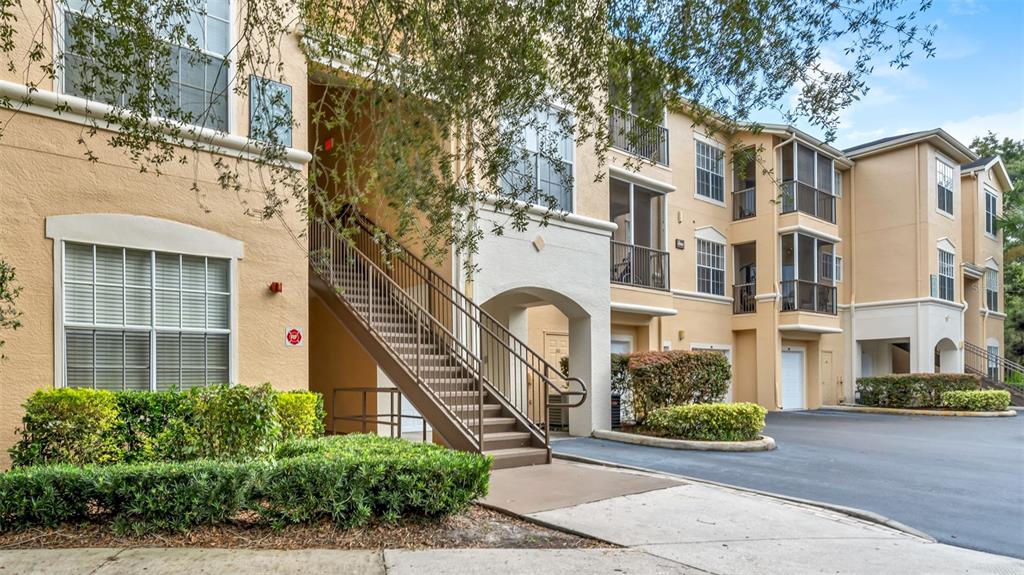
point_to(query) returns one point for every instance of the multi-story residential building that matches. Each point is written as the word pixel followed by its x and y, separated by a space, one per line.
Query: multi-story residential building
pixel 806 265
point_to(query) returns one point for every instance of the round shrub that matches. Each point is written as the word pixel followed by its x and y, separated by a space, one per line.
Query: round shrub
pixel 707 421
pixel 977 400
pixel 68 425
pixel 301 414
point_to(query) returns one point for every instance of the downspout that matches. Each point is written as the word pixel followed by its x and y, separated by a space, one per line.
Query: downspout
pixel 984 286
pixel 775 278
pixel 854 357
pixel 921 212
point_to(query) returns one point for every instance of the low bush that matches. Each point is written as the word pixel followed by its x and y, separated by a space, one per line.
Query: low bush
pixel 350 480
pixel 67 425
pixel 977 400
pixel 664 378
pixel 85 426
pixel 912 390
pixel 301 414
pixel 707 421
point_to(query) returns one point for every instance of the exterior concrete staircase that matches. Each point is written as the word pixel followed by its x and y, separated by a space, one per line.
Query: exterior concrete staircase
pixel 995 371
pixel 480 388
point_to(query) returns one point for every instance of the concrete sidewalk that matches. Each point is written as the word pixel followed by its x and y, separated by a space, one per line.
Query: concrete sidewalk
pixel 720 530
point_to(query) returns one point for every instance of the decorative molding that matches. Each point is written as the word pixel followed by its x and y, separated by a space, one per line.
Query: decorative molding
pixel 556 218
pixel 144 233
pixel 626 174
pixel 697 296
pixel 809 328
pixel 802 229
pixel 643 309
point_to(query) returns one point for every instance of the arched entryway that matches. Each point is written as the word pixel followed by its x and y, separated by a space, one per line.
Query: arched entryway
pixel 947 357
pixel 554 326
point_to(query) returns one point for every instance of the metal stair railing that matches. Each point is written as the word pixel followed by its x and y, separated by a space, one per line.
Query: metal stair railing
pixel 993 367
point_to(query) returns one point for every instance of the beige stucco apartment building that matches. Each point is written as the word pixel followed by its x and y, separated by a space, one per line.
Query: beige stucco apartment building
pixel 808 268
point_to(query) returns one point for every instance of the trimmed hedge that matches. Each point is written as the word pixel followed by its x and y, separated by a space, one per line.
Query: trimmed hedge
pixel 912 390
pixel 85 426
pixel 707 421
pixel 350 480
pixel 664 378
pixel 977 400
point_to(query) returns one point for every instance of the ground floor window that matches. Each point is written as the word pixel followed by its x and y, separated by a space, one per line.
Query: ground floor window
pixel 144 320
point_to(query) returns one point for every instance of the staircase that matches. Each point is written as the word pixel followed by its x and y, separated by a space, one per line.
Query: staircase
pixel 480 388
pixel 995 371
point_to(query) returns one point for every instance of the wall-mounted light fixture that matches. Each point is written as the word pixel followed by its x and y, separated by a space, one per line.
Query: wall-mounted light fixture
pixel 276 287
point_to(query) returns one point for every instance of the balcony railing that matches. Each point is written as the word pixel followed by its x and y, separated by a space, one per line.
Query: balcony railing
pixel 639 266
pixel 743 204
pixel 743 300
pixel 638 136
pixel 800 295
pixel 800 197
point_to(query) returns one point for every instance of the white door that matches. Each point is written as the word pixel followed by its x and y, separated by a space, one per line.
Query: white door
pixel 792 380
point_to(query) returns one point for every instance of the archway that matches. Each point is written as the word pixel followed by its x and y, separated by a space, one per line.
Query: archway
pixel 540 317
pixel 947 357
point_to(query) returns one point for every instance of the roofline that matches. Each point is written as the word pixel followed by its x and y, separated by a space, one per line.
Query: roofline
pixel 1001 172
pixel 913 138
pixel 785 129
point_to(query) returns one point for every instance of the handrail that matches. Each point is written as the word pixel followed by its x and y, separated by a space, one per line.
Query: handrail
pixel 500 332
pixel 1002 365
pixel 638 135
pixel 798 196
pixel 639 266
pixel 399 295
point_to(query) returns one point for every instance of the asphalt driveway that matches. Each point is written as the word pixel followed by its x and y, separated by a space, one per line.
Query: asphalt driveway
pixel 961 480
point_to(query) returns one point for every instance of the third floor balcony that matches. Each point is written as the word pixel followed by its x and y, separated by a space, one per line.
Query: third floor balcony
pixel 800 197
pixel 638 136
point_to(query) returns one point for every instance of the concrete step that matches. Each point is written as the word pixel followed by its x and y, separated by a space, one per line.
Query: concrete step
pixel 518 457
pixel 494 424
pixel 506 439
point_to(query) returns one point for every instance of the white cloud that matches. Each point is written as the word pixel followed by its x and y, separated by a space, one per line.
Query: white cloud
pixel 1005 124
pixel 967 7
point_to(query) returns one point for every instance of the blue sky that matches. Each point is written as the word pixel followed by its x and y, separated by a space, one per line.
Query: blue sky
pixel 975 82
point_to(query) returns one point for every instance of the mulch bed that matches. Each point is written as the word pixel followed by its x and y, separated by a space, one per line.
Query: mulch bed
pixel 474 528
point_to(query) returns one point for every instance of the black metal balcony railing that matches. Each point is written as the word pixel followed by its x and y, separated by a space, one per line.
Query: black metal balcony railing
pixel 743 204
pixel 639 266
pixel 743 300
pixel 800 295
pixel 638 136
pixel 800 197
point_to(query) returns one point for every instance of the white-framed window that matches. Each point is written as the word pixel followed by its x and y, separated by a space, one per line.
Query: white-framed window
pixel 944 186
pixel 991 212
pixel 199 79
pixel 837 184
pixel 710 267
pixel 831 267
pixel 945 287
pixel 992 290
pixel 144 320
pixel 710 171
pixel 544 167
pixel 993 360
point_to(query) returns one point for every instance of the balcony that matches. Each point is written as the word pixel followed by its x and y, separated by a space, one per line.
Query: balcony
pixel 639 266
pixel 800 295
pixel 800 197
pixel 743 300
pixel 638 136
pixel 743 204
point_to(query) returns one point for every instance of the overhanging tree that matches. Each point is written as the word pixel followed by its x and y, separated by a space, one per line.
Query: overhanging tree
pixel 422 106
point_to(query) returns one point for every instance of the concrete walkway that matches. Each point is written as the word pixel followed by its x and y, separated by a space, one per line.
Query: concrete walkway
pixel 714 529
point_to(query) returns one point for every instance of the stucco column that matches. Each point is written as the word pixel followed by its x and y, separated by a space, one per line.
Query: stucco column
pixel 590 360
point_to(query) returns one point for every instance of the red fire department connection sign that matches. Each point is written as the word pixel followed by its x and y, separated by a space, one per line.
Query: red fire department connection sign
pixel 293 337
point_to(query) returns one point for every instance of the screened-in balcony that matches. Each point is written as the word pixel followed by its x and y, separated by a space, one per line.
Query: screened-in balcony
pixel 744 291
pixel 809 182
pixel 800 295
pixel 800 197
pixel 638 256
pixel 638 136
pixel 744 180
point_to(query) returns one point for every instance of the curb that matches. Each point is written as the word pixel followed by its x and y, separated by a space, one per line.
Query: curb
pixel 547 524
pixel 862 514
pixel 931 412
pixel 765 443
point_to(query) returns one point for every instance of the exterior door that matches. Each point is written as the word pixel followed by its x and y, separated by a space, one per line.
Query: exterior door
pixel 793 379
pixel 829 391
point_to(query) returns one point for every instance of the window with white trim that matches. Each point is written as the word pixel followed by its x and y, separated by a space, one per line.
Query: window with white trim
pixel 199 79
pixel 144 320
pixel 710 267
pixel 837 184
pixel 991 212
pixel 945 287
pixel 944 186
pixel 543 172
pixel 993 361
pixel 710 171
pixel 992 290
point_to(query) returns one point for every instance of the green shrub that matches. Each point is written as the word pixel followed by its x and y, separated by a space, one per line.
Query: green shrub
pixel 620 372
pixel 1015 380
pixel 912 390
pixel 350 480
pixel 85 426
pixel 301 414
pixel 977 400
pixel 355 479
pixel 708 421
pixel 68 425
pixel 144 418
pixel 664 378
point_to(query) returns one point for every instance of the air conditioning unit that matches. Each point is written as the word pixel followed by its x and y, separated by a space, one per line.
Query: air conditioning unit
pixel 558 417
